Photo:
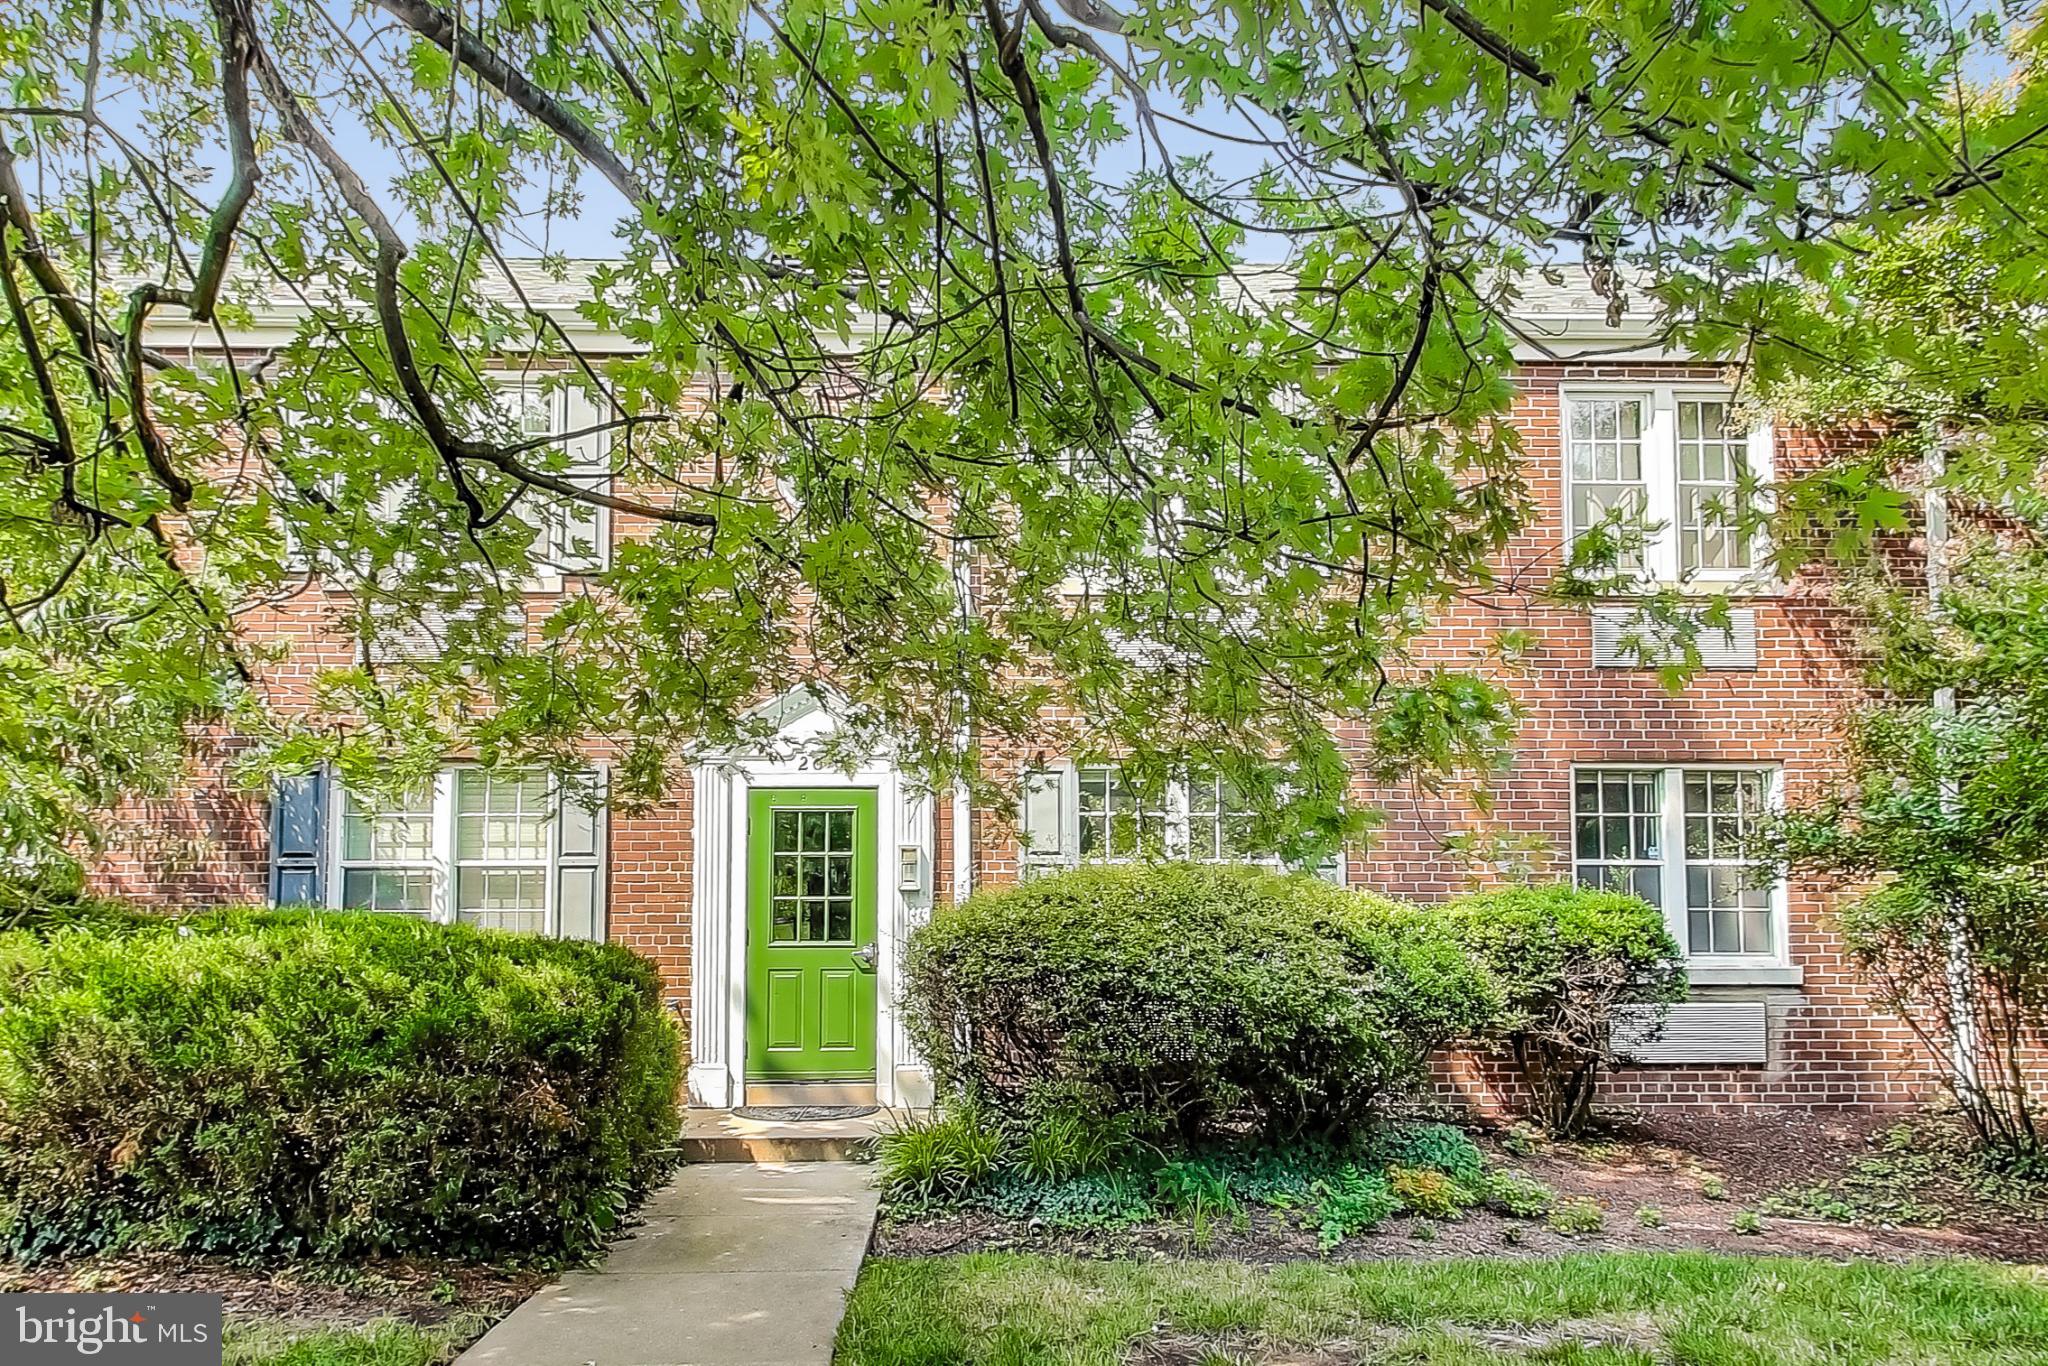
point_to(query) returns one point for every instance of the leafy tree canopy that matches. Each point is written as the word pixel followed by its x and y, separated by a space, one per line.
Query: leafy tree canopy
pixel 925 298
pixel 1937 822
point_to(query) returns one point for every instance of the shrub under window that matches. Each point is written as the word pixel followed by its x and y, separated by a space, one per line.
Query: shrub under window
pixel 1566 957
pixel 330 1083
pixel 1194 999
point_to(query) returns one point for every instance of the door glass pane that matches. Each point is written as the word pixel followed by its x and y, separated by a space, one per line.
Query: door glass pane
pixel 811 876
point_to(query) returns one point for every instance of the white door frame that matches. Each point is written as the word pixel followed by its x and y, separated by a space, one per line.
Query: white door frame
pixel 718 904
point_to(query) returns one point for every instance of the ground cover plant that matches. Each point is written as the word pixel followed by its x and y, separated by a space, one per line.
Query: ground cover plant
pixel 326 1084
pixel 968 1161
pixel 1612 1309
pixel 1675 1183
pixel 1913 1174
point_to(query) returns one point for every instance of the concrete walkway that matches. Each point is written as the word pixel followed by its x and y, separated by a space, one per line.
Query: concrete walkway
pixel 736 1265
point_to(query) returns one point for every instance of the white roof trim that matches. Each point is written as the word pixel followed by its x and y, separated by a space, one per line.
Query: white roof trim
pixel 1557 321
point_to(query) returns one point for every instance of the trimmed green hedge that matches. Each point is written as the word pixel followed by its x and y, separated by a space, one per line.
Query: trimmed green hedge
pixel 1565 957
pixel 1193 999
pixel 328 1083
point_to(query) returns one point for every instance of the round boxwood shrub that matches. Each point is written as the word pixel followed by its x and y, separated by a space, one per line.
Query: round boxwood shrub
pixel 327 1083
pixel 1566 957
pixel 1194 999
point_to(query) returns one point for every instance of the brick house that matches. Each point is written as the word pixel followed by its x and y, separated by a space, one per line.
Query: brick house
pixel 774 894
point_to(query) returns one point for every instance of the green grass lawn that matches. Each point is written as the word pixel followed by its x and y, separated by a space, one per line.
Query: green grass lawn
pixel 1010 1309
pixel 389 1342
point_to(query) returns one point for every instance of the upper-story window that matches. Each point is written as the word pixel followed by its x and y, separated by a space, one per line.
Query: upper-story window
pixel 574 535
pixel 1713 479
pixel 560 421
pixel 1675 461
pixel 1604 436
pixel 1675 836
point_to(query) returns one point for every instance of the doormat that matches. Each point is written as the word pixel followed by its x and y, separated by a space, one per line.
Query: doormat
pixel 786 1114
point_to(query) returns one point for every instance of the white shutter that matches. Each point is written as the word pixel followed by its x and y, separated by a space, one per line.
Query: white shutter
pixel 1045 828
pixel 578 532
pixel 579 862
pixel 1762 454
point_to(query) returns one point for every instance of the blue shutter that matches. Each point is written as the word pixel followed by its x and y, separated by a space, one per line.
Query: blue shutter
pixel 298 840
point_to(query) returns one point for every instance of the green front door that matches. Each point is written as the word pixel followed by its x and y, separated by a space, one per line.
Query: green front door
pixel 811 934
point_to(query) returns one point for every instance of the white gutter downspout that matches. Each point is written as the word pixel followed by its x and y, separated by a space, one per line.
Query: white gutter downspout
pixel 963 840
pixel 963 806
pixel 1962 1013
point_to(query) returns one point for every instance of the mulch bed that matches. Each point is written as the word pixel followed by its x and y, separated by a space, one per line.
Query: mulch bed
pixel 1660 1163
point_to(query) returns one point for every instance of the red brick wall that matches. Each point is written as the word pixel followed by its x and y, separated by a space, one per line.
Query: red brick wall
pixel 207 844
pixel 650 887
pixel 1827 1046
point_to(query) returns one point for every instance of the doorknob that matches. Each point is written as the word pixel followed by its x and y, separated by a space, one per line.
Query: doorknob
pixel 864 956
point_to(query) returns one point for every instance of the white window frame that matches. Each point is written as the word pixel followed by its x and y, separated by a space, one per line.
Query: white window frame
pixel 569 410
pixel 1660 481
pixel 443 863
pixel 1671 881
pixel 1065 777
pixel 544 864
pixel 1100 472
pixel 337 822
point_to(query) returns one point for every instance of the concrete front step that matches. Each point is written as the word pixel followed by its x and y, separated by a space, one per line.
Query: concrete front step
pixel 722 1136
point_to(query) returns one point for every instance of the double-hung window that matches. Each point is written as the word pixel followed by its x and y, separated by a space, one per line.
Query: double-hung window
pixel 387 852
pixel 1673 464
pixel 1675 836
pixel 1117 824
pixel 1218 823
pixel 574 535
pixel 1091 813
pixel 502 849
